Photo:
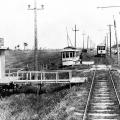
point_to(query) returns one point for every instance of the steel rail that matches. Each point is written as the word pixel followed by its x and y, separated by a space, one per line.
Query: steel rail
pixel 114 87
pixel 85 112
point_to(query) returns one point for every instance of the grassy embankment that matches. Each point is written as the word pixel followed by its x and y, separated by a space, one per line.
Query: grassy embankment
pixel 53 105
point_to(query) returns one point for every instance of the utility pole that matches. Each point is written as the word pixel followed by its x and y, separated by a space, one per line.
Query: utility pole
pixel 116 40
pixel 75 30
pixel 35 9
pixel 107 42
pixel 87 41
pixel 110 25
pixel 83 39
pixel 110 37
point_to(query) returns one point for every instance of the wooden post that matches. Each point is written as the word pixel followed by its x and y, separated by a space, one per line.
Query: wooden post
pixel 30 75
pixel 57 77
pixel 70 77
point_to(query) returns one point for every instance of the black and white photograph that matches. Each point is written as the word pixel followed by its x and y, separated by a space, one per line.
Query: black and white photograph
pixel 59 60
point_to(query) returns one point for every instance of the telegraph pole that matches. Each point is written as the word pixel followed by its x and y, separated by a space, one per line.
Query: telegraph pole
pixel 87 41
pixel 35 9
pixel 110 25
pixel 116 40
pixel 83 39
pixel 110 37
pixel 107 42
pixel 75 30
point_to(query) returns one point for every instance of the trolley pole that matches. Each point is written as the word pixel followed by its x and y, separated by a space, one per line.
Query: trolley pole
pixel 35 33
pixel 75 30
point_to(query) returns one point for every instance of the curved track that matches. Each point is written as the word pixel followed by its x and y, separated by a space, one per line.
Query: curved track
pixel 103 102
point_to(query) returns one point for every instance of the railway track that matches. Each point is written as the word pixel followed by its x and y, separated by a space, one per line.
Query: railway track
pixel 103 102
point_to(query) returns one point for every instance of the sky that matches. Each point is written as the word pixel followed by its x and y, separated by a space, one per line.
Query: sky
pixel 17 22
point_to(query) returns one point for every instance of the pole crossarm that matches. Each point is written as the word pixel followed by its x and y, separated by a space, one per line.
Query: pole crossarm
pixel 75 30
pixel 108 7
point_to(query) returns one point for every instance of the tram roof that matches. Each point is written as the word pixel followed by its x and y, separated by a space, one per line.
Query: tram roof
pixel 101 45
pixel 69 48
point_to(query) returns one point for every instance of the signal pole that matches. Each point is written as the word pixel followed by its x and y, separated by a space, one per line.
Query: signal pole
pixel 35 9
pixel 75 30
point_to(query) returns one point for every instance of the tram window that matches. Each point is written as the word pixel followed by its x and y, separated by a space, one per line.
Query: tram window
pixel 102 48
pixel 71 54
pixel 63 55
pixel 67 54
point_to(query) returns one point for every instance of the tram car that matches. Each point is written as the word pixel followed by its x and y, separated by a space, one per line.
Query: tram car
pixel 70 56
pixel 101 50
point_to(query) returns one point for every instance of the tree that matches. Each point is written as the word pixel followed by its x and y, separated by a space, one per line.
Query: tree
pixel 18 46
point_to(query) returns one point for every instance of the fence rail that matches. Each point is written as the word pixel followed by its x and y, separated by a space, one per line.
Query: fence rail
pixel 56 76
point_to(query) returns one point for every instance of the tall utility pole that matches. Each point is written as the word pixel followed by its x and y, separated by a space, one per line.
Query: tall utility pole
pixel 75 30
pixel 116 40
pixel 87 41
pixel 107 42
pixel 83 39
pixel 35 33
pixel 109 25
pixel 110 37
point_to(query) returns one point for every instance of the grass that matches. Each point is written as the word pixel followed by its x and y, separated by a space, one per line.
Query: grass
pixel 73 102
pixel 20 58
pixel 26 106
pixel 55 100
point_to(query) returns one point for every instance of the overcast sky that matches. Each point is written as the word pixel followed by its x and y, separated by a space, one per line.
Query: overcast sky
pixel 17 22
